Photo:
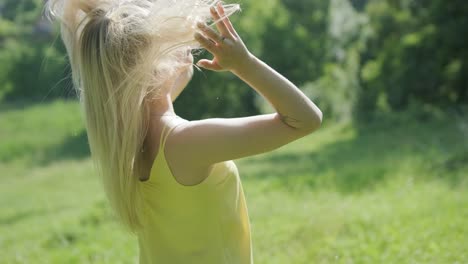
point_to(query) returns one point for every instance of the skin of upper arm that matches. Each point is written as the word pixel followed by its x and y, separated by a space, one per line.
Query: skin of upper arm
pixel 208 141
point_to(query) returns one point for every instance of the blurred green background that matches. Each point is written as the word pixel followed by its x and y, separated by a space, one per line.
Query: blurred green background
pixel 383 181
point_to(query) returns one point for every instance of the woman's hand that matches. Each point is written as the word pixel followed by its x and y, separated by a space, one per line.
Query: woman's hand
pixel 229 52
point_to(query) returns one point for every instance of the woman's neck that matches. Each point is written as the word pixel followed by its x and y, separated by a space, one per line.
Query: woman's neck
pixel 161 106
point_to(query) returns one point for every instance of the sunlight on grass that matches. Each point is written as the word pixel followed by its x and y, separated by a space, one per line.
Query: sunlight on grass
pixel 382 193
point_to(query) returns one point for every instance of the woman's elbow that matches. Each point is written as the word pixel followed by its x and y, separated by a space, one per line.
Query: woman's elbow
pixel 314 122
pixel 307 124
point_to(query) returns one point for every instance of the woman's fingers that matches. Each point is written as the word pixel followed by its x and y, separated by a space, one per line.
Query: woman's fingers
pixel 210 33
pixel 206 43
pixel 226 20
pixel 220 25
pixel 225 45
pixel 209 65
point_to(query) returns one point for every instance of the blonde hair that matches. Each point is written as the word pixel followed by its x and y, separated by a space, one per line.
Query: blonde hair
pixel 120 53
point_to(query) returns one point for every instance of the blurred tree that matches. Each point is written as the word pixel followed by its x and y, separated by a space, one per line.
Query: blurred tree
pixel 416 54
pixel 337 90
pixel 30 65
pixel 295 39
pixel 354 57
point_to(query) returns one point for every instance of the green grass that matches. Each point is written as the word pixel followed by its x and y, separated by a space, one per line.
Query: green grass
pixel 394 191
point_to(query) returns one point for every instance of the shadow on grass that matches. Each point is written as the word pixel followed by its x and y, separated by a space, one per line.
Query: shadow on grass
pixel 16 105
pixel 20 215
pixel 343 165
pixel 25 103
pixel 72 148
pixel 374 154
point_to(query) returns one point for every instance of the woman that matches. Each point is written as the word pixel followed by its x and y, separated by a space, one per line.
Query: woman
pixel 170 181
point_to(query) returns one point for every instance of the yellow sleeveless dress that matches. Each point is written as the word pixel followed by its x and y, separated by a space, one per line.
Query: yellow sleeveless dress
pixel 205 223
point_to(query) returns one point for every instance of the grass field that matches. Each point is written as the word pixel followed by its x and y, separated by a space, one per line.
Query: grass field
pixel 394 191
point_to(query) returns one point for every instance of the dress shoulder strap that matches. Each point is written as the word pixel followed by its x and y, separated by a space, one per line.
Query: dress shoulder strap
pixel 167 130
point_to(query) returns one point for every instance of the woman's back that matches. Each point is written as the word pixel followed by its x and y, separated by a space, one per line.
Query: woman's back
pixel 203 223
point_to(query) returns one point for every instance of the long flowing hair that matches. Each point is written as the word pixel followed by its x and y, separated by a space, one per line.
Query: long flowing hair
pixel 121 52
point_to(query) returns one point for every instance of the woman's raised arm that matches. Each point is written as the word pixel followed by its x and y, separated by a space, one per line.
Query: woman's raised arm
pixel 230 53
pixel 205 142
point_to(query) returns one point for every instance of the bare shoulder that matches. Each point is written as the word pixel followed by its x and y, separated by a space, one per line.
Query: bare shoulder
pixel 183 167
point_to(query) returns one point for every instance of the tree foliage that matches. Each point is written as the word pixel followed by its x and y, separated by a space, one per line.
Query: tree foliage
pixel 353 57
pixel 32 65
pixel 417 52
